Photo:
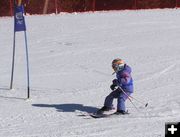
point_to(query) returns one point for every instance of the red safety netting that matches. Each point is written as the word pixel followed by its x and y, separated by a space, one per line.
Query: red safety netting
pixel 57 6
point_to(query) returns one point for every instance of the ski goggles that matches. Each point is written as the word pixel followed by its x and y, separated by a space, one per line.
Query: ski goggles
pixel 117 67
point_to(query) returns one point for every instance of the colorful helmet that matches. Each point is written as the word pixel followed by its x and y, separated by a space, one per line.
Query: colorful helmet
pixel 118 64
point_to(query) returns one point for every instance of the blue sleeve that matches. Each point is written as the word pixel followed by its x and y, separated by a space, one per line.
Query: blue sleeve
pixel 124 79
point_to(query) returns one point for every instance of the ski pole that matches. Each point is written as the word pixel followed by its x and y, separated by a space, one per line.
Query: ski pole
pixel 139 101
pixel 129 96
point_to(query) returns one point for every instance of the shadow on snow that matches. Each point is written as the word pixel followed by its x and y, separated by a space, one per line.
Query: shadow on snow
pixel 68 107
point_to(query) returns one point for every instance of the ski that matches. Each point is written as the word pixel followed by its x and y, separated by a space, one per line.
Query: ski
pixel 94 115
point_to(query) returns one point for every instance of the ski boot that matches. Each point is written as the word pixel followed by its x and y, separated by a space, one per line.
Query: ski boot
pixel 104 109
pixel 121 112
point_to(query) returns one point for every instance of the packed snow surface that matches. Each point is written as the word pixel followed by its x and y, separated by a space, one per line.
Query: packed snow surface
pixel 70 72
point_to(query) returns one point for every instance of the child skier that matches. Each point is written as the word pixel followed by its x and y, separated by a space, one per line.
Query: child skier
pixel 123 82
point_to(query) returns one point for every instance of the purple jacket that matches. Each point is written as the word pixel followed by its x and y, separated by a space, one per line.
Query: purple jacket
pixel 124 79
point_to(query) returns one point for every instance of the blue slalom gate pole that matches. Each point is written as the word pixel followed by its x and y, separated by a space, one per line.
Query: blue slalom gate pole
pixel 14 48
pixel 13 58
pixel 27 63
pixel 19 25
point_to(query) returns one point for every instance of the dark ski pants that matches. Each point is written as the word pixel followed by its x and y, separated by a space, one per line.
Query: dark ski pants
pixel 121 98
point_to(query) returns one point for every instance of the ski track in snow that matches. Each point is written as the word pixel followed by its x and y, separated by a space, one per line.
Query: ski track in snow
pixel 70 67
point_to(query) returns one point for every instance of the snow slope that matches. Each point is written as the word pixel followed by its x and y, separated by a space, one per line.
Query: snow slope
pixel 70 66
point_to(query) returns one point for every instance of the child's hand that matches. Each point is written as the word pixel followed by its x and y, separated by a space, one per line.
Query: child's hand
pixel 115 82
pixel 113 86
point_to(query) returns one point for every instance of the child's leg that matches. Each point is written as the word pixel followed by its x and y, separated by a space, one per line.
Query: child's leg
pixel 121 101
pixel 109 99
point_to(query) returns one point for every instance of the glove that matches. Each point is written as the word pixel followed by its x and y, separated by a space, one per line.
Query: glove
pixel 113 86
pixel 115 82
